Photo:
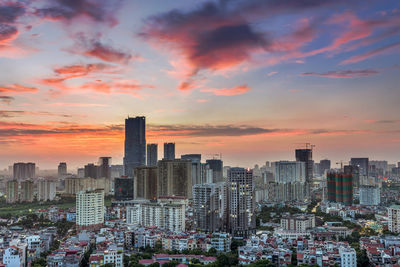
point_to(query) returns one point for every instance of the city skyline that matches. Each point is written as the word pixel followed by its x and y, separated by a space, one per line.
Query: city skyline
pixel 257 79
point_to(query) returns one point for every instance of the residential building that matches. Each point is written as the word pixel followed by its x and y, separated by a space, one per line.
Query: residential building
pixel 290 179
pixel 340 187
pixel 394 218
pixel 12 191
pixel 241 202
pixel 123 188
pixel 348 257
pixel 152 155
pixel 209 206
pixel 216 165
pixel 23 171
pixel 26 194
pixel 169 151
pixel 46 190
pixel 90 209
pixel 175 178
pixel 62 169
pixel 145 182
pixel 166 213
pixel 370 195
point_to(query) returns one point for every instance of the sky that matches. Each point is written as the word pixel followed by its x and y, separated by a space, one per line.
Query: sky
pixel 249 79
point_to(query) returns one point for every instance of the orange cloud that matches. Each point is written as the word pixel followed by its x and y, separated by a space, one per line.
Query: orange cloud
pixel 17 88
pixel 238 90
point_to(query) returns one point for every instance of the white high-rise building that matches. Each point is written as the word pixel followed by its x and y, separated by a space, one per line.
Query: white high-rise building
pixel 242 220
pixel 167 213
pixel 394 218
pixel 46 190
pixel 90 209
pixel 348 257
pixel 370 195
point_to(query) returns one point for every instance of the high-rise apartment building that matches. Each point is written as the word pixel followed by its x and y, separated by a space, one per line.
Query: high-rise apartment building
pixel 305 155
pixel 12 191
pixel 175 178
pixel 216 165
pixel 104 168
pixel 362 164
pixel 242 220
pixel 196 167
pixel 394 218
pixel 90 209
pixel 123 188
pixel 26 194
pixel 46 190
pixel 209 206
pixel 166 213
pixel 290 180
pixel 62 169
pixel 324 165
pixel 23 171
pixel 91 171
pixel 370 195
pixel 135 144
pixel 145 183
pixel 152 155
pixel 340 187
pixel 169 151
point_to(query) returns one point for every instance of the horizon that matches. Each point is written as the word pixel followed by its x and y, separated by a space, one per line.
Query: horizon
pixel 251 81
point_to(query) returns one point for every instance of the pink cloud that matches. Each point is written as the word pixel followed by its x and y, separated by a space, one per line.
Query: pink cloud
pixel 372 53
pixel 238 90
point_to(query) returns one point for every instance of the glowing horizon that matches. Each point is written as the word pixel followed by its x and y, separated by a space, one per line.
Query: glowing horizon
pixel 249 79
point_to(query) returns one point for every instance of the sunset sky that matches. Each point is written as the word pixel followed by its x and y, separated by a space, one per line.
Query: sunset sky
pixel 246 78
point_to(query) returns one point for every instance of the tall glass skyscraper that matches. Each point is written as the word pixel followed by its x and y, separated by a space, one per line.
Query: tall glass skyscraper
pixel 135 144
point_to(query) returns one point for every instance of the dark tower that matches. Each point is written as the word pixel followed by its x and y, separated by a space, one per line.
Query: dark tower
pixel 135 144
pixel 169 151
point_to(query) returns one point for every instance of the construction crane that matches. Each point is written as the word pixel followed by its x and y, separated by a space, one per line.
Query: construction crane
pixel 341 164
pixel 215 156
pixel 307 145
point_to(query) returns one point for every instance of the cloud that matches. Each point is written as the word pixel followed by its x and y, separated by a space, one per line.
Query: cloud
pixel 6 99
pixel 17 88
pixel 68 10
pixel 235 130
pixel 221 35
pixel 9 129
pixel 272 73
pixel 116 86
pixel 74 104
pixel 343 73
pixel 94 47
pixel 7 33
pixel 238 90
pixel 10 12
pixel 372 53
pixel 16 113
pixel 82 70
pixel 382 121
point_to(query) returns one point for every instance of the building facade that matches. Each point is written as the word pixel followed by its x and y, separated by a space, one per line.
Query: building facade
pixel 340 187
pixel 242 220
pixel 370 195
pixel 175 178
pixel 135 144
pixel 152 155
pixel 90 209
pixel 145 182
pixel 169 151
pixel 123 188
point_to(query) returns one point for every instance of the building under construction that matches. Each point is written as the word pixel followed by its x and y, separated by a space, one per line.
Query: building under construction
pixel 340 187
